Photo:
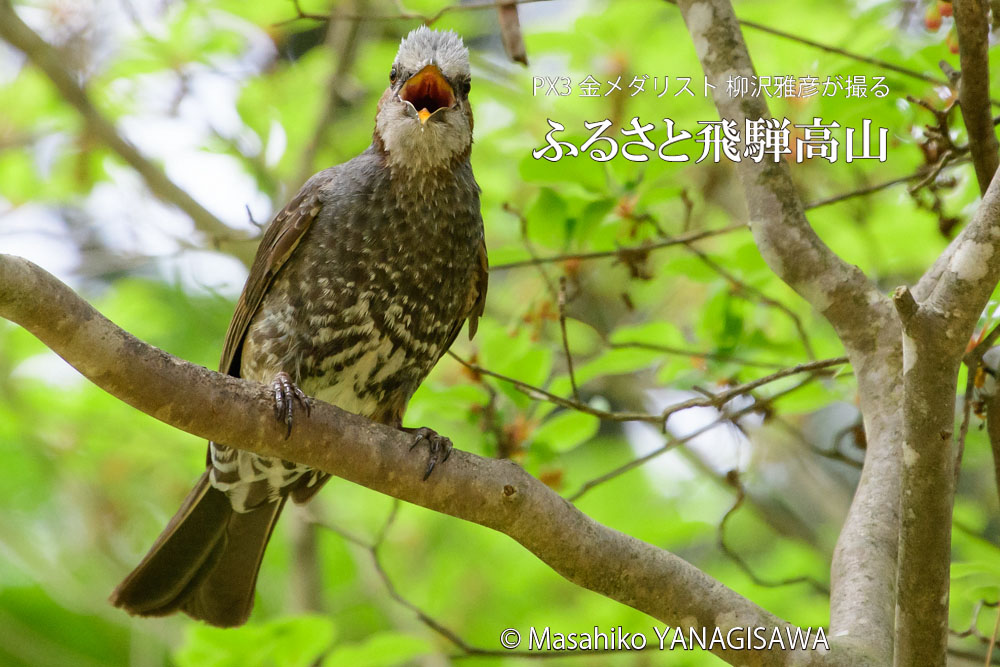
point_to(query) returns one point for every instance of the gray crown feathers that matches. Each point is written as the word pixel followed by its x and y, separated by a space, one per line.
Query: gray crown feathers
pixel 424 46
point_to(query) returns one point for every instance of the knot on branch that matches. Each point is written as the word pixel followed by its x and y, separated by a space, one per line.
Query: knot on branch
pixel 906 305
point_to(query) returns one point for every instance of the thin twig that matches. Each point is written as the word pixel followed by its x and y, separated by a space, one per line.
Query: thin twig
pixel 565 337
pixel 689 237
pixel 720 399
pixel 373 549
pixel 714 400
pixel 734 481
pixel 973 629
pixel 993 640
pixel 530 247
pixel 426 19
pixel 963 431
pixel 673 441
pixel 973 360
pixel 864 191
pixel 45 57
pixel 882 64
pixel 538 393
pixel 761 297
pixel 833 454
pixel 345 40
pixel 933 172
pixel 840 52
pixel 700 354
pixel 623 252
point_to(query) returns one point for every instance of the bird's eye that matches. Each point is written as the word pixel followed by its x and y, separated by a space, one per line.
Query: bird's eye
pixel 393 73
pixel 465 86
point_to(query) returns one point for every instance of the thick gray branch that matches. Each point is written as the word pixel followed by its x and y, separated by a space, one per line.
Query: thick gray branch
pixel 863 571
pixel 973 27
pixel 936 334
pixel 964 284
pixel 494 493
pixel 864 566
pixel 948 301
pixel 786 241
pixel 41 54
pixel 923 581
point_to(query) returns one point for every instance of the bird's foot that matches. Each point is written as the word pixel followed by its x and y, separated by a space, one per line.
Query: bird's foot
pixel 440 447
pixel 286 394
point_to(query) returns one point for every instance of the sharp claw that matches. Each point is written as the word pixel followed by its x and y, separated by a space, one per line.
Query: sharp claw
pixel 285 395
pixel 421 434
pixel 439 447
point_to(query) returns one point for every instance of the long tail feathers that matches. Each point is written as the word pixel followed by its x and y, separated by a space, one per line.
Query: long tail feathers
pixel 205 562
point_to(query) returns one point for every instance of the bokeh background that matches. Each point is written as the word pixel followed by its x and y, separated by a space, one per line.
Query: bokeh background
pixel 239 102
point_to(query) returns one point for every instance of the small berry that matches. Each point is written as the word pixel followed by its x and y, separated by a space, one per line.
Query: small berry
pixel 572 267
pixel 952 41
pixel 932 19
pixel 944 8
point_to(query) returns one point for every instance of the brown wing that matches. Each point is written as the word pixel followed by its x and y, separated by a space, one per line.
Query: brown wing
pixel 280 239
pixel 479 287
pixel 476 301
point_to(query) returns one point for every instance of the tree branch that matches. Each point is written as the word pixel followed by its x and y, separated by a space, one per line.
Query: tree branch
pixel 937 331
pixel 862 603
pixel 41 54
pixel 973 27
pixel 791 248
pixel 493 493
pixel 734 481
pixel 373 549
pixel 746 289
pixel 928 480
pixel 622 253
pixel 342 41
pixel 964 284
pixel 426 19
pixel 829 48
pixel 711 400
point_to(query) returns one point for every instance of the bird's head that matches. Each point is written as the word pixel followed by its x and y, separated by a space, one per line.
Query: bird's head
pixel 423 118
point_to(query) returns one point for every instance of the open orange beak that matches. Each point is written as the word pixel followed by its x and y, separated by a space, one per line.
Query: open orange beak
pixel 428 92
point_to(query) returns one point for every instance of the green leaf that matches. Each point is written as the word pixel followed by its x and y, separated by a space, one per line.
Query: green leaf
pixel 384 649
pixel 288 642
pixel 566 430
pixel 617 362
pixel 546 218
pixel 657 332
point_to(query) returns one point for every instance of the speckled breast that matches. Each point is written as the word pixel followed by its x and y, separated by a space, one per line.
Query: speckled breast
pixel 370 299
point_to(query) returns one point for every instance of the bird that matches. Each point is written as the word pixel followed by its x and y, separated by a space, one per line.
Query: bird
pixel 359 286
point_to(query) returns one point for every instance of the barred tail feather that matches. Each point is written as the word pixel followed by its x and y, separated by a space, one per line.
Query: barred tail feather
pixel 205 562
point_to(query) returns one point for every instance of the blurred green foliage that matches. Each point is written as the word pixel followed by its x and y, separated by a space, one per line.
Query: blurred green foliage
pixel 87 482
